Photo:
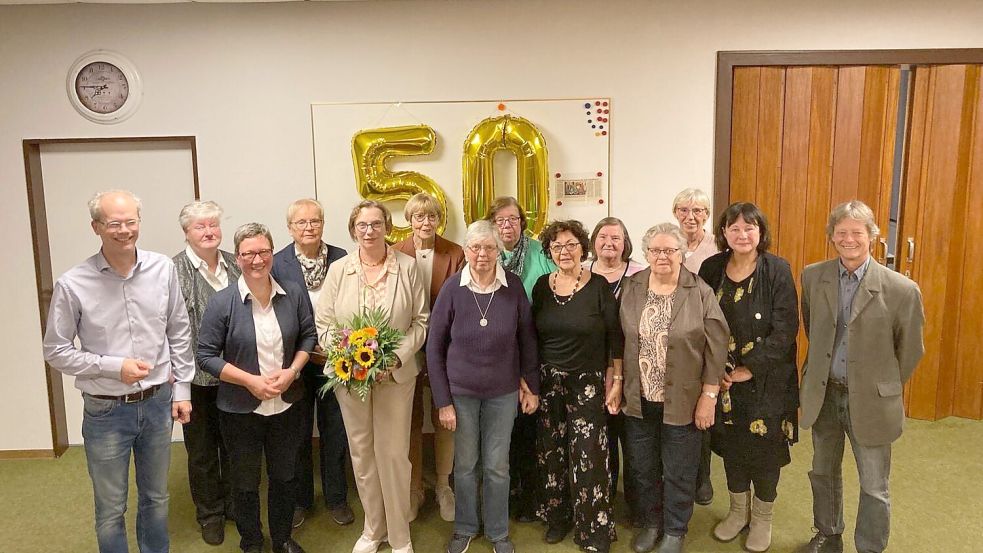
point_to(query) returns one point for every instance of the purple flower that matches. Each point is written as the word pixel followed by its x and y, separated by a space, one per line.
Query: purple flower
pixel 372 344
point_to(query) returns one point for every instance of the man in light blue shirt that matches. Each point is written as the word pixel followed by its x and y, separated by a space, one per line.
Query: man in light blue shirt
pixel 126 309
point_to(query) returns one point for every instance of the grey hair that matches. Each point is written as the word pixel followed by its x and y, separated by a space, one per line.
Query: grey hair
pixel 856 210
pixel 251 230
pixel 482 229
pixel 198 211
pixel 669 229
pixel 95 204
pixel 304 202
pixel 691 195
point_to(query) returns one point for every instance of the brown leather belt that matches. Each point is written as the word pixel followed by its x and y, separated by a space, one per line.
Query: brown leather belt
pixel 135 397
pixel 837 385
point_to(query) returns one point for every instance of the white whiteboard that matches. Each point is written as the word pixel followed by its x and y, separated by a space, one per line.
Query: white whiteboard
pixel 578 146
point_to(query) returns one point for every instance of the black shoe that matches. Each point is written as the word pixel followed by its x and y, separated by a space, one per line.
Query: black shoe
pixel 556 532
pixel 289 546
pixel 671 544
pixel 646 540
pixel 300 514
pixel 342 515
pixel 704 492
pixel 821 543
pixel 213 532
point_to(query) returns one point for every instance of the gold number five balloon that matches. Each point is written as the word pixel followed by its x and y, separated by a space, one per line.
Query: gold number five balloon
pixel 371 150
pixel 523 139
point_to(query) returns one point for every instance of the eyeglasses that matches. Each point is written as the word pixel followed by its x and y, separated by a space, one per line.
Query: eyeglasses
pixel 251 256
pixel 479 248
pixel 421 217
pixel 696 211
pixel 363 227
pixel 303 223
pixel 116 226
pixel 507 221
pixel 569 246
pixel 668 252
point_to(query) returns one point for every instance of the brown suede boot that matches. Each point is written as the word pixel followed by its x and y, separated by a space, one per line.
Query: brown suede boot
pixel 737 518
pixel 759 536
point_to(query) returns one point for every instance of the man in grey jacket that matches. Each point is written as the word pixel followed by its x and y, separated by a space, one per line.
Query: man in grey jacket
pixel 864 324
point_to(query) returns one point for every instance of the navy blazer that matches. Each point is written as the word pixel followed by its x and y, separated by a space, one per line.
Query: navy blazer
pixel 228 335
pixel 286 268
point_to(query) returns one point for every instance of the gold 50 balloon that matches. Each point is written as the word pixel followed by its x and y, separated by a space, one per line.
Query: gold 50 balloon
pixel 371 149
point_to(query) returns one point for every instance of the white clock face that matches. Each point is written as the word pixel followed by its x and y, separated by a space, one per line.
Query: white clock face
pixel 102 87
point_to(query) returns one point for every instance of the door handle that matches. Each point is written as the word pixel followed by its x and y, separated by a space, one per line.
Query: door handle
pixel 911 256
pixel 883 243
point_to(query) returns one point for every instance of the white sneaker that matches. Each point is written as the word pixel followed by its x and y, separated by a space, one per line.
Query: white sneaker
pixel 366 545
pixel 407 549
pixel 446 502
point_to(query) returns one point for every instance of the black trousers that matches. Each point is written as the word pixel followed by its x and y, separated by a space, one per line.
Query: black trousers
pixel 522 459
pixel 740 476
pixel 333 446
pixel 208 460
pixel 664 460
pixel 616 434
pixel 248 437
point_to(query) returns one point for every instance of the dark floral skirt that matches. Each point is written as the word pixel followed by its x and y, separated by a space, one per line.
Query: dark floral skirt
pixel 572 446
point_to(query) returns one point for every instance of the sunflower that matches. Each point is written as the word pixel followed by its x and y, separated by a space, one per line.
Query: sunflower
pixel 357 338
pixel 342 369
pixel 364 357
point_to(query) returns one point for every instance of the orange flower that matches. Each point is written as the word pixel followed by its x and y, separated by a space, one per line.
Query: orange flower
pixel 370 331
pixel 360 374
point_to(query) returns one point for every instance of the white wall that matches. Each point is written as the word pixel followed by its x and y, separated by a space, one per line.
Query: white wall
pixel 242 78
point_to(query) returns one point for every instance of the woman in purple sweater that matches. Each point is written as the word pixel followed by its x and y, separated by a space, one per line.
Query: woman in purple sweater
pixel 482 359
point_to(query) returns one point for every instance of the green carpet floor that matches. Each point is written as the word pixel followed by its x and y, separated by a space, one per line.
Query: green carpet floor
pixel 936 488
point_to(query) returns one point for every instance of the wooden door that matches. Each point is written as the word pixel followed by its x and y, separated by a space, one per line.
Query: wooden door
pixel 939 238
pixel 805 139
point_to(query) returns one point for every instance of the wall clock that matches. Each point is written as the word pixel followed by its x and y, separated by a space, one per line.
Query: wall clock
pixel 104 86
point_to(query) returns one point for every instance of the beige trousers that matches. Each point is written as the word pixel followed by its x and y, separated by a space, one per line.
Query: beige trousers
pixel 379 439
pixel 443 440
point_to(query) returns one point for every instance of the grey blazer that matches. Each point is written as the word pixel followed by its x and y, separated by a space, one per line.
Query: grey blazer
pixel 885 330
pixel 698 335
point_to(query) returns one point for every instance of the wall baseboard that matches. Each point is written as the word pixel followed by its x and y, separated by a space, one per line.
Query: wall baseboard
pixel 27 454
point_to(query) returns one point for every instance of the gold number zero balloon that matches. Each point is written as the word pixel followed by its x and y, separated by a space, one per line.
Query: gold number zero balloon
pixel 523 139
pixel 372 149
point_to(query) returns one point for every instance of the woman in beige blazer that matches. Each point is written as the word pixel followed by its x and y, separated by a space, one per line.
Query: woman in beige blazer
pixel 376 275
pixel 675 350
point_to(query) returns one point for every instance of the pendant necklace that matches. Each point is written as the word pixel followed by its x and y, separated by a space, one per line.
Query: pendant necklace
pixel 484 314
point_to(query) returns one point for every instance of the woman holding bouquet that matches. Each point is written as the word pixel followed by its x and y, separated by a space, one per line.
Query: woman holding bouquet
pixel 376 276
pixel 482 358
pixel 255 337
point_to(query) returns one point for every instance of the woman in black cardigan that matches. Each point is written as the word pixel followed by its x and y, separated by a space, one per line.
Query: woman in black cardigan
pixel 255 337
pixel 757 407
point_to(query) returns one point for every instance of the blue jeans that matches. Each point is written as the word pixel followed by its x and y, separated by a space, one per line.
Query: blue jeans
pixel 111 430
pixel 484 431
pixel 829 432
pixel 664 462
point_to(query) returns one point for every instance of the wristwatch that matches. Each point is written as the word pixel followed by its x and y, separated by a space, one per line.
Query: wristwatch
pixel 711 395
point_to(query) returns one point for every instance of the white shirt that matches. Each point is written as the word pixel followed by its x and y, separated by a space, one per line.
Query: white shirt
pixel 269 344
pixel 477 288
pixel 217 280
pixel 424 263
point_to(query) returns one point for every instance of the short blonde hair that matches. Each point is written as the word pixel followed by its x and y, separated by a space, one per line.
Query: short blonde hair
pixel 691 195
pixel 304 202
pixel 856 210
pixel 95 204
pixel 367 204
pixel 422 202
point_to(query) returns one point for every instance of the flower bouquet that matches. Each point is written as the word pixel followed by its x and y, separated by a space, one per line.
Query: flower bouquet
pixel 358 351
